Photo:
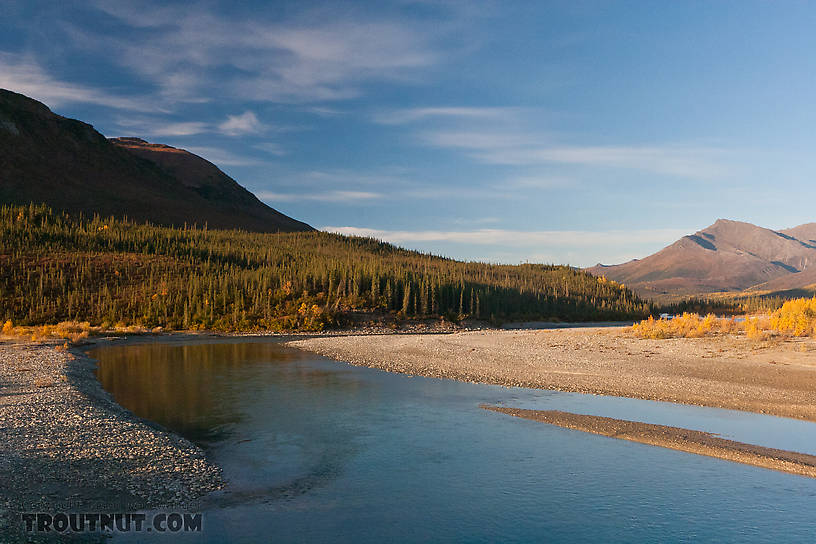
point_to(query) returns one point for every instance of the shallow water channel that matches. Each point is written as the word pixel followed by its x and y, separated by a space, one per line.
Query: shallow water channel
pixel 319 451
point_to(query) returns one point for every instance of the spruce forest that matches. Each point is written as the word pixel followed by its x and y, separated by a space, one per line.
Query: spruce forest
pixel 57 267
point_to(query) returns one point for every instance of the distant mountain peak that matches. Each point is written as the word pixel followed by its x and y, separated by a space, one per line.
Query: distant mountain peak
pixel 726 256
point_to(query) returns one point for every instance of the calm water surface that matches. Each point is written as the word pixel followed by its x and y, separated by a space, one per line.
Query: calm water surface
pixel 316 451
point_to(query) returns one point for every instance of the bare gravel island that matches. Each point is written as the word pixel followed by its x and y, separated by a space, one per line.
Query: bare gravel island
pixel 674 438
pixel 65 445
pixel 728 372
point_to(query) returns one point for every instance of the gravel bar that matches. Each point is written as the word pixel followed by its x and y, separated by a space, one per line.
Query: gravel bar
pixel 66 446
pixel 675 438
pixel 776 378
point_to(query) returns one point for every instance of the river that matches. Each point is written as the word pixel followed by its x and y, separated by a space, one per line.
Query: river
pixel 320 451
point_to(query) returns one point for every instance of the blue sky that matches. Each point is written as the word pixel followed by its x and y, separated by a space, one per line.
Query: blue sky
pixel 567 132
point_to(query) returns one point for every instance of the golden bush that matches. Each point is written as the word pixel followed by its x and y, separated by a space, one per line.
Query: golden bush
pixel 688 325
pixel 691 325
pixel 754 329
pixel 796 317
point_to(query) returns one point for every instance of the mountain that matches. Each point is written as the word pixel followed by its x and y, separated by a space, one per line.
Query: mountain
pixel 65 163
pixel 727 256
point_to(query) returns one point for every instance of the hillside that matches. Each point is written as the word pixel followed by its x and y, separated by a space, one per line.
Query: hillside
pixel 55 267
pixel 65 163
pixel 727 256
pixel 806 233
pixel 806 279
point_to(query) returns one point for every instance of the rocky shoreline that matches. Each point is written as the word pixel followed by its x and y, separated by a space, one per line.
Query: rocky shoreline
pixel 675 438
pixel 65 445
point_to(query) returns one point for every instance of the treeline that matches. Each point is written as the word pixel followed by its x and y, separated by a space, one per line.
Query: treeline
pixel 55 267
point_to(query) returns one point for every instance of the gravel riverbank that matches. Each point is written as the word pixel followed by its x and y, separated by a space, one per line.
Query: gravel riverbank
pixel 675 438
pixel 65 445
pixel 725 372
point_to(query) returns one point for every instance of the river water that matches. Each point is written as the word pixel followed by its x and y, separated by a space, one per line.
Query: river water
pixel 319 451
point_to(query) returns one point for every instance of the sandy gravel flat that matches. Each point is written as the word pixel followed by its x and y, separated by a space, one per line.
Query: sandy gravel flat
pixel 727 372
pixel 675 438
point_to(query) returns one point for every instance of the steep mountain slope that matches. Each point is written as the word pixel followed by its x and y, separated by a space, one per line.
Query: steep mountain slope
pixel 800 280
pixel 727 256
pixel 46 158
pixel 206 179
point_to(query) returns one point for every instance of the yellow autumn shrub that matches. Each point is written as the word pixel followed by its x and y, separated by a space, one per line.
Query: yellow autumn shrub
pixel 688 325
pixel 691 325
pixel 796 317
pixel 71 330
pixel 754 329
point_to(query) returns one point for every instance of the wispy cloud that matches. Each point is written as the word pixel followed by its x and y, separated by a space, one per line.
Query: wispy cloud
pixel 395 183
pixel 537 182
pixel 672 160
pixel 322 196
pixel 481 139
pixel 524 137
pixel 513 148
pixel 325 54
pixel 24 75
pixel 576 247
pixel 272 148
pixel 409 187
pixel 331 179
pixel 151 126
pixel 476 221
pixel 560 238
pixel 222 157
pixel 409 115
pixel 322 111
pixel 180 129
pixel 234 125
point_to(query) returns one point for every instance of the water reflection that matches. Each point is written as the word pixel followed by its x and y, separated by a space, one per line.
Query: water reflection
pixel 225 396
pixel 175 385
